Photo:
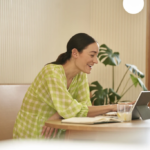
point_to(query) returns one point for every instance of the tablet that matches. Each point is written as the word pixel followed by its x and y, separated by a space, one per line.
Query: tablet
pixel 140 108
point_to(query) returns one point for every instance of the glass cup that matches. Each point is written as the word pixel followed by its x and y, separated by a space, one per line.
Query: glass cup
pixel 124 112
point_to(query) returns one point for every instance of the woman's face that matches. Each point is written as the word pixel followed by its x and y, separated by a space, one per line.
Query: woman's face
pixel 86 60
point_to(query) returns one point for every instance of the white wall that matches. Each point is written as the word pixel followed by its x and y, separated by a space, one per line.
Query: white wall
pixel 34 32
pixel 123 33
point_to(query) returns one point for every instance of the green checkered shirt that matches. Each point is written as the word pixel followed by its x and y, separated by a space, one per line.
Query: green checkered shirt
pixel 47 95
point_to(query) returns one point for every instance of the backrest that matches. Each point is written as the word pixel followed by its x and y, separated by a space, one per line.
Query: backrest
pixel 11 97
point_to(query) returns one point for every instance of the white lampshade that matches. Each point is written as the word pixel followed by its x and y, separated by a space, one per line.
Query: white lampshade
pixel 133 6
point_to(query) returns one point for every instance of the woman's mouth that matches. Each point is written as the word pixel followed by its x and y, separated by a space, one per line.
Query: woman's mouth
pixel 90 66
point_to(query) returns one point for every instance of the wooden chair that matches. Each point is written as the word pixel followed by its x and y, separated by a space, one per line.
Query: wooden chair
pixel 11 97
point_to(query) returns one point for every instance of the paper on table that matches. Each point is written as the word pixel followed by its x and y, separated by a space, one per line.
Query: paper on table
pixel 111 114
pixel 91 120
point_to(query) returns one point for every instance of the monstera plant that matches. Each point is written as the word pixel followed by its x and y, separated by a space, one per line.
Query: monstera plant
pixel 105 96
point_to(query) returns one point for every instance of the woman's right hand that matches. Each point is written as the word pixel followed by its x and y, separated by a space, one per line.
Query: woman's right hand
pixel 115 105
pixel 114 109
pixel 47 131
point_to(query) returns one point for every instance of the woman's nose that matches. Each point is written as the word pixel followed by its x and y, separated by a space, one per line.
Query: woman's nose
pixel 96 60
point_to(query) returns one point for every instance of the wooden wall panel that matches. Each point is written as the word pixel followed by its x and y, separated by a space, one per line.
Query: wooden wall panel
pixel 148 47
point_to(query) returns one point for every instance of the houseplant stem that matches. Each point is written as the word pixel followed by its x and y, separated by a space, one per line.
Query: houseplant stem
pixel 113 77
pixel 122 80
pixel 125 86
pixel 126 90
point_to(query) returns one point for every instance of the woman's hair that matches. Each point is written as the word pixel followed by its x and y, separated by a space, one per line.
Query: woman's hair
pixel 79 41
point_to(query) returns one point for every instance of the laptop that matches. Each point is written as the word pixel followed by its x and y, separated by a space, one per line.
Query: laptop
pixel 140 108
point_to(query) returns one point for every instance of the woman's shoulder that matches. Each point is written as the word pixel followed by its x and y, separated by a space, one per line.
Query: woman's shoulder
pixel 52 67
pixel 48 71
pixel 52 70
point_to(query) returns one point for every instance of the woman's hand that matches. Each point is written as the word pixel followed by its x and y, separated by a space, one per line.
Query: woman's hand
pixel 128 103
pixel 115 105
pixel 132 103
pixel 48 130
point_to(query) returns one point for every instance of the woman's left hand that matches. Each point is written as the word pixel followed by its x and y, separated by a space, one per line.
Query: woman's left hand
pixel 48 130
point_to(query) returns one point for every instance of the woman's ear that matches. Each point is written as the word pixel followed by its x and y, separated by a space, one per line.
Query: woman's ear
pixel 75 53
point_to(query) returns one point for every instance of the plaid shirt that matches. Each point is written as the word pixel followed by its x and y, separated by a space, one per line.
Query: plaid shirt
pixel 47 95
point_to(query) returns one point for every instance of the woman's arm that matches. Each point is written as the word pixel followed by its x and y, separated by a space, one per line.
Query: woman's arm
pixel 102 109
pixel 98 110
pixel 55 117
pixel 47 130
pixel 92 112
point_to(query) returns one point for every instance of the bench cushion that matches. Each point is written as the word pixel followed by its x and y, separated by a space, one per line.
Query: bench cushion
pixel 11 97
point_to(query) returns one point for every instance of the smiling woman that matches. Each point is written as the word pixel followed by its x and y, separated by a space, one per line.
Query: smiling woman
pixel 85 60
pixel 60 90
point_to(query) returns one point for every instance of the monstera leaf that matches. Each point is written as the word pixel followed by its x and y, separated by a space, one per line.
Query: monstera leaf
pixel 135 70
pixel 107 57
pixel 110 95
pixel 113 96
pixel 99 95
pixel 137 81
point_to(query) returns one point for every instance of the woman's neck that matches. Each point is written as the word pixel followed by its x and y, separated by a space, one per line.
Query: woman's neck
pixel 70 70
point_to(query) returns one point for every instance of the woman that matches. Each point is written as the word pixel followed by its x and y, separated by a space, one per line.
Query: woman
pixel 60 90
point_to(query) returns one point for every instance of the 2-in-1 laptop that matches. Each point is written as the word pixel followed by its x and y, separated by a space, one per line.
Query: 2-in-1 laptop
pixel 140 108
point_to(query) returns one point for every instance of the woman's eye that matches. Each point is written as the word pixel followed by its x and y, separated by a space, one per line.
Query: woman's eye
pixel 92 55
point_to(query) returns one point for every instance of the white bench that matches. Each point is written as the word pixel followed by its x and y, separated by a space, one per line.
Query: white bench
pixel 11 97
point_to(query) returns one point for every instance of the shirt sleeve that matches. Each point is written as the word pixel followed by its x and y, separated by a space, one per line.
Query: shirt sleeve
pixel 62 100
pixel 83 95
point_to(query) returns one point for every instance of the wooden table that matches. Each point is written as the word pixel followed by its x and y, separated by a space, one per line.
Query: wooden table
pixel 136 131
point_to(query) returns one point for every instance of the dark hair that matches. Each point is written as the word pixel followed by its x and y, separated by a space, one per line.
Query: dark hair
pixel 79 41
